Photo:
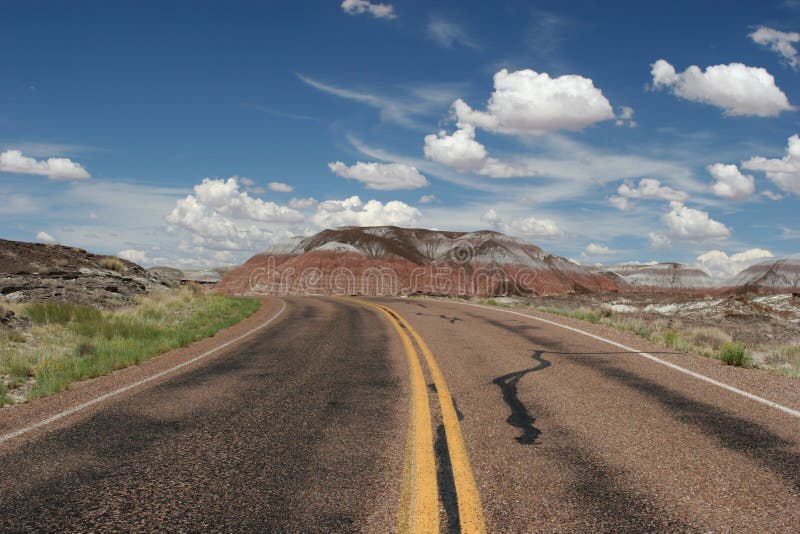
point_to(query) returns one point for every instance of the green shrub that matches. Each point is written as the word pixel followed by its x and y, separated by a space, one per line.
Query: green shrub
pixel 674 340
pixel 736 354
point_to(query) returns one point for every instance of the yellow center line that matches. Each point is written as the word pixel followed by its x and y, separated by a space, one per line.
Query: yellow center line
pixel 470 510
pixel 419 499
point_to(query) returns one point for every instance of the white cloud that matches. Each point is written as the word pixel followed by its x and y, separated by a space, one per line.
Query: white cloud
pixel 427 199
pixel 534 227
pixel 621 203
pixel 491 218
pixel 694 225
pixel 383 176
pixel 772 195
pixel 784 172
pixel 358 7
pixel 447 34
pixel 461 151
pixel 303 203
pixel 280 187
pixel 659 241
pixel 219 215
pixel 54 168
pixel 780 42
pixel 736 88
pixel 134 255
pixel 720 265
pixel 650 188
pixel 353 212
pixel 44 237
pixel 526 102
pixel 730 182
pixel 418 101
pixel 593 249
pixel 625 117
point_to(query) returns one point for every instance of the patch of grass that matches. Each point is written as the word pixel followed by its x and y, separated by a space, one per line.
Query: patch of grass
pixel 72 343
pixel 735 354
pixel 785 360
pixel 582 314
pixel 708 337
pixel 16 337
pixel 675 340
pixel 2 393
pixel 113 264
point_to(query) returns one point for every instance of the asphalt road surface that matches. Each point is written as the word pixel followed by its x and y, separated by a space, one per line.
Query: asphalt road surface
pixel 403 414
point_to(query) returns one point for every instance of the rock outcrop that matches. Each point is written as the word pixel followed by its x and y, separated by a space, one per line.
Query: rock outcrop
pixel 32 271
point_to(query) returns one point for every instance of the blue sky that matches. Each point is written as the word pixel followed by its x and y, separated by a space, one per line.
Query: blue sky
pixel 112 115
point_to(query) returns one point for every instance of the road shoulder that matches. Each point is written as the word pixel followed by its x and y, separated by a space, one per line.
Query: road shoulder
pixel 12 419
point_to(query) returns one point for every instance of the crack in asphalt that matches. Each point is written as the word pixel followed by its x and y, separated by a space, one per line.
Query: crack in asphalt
pixel 520 417
pixel 452 320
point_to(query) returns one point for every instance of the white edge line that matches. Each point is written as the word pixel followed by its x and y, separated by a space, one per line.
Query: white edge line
pixel 785 409
pixel 123 389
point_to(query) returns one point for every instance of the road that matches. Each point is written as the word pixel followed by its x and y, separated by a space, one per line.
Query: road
pixel 372 416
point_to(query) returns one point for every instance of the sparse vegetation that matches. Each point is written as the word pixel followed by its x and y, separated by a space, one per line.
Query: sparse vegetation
pixel 736 354
pixel 785 359
pixel 582 314
pixel 16 337
pixel 113 264
pixel 70 343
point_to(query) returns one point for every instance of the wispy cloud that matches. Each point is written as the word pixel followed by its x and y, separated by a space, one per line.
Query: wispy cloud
pixel 276 113
pixel 403 110
pixel 448 34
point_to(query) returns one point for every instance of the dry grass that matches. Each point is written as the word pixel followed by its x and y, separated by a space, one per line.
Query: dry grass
pixel 785 360
pixel 113 264
pixel 709 337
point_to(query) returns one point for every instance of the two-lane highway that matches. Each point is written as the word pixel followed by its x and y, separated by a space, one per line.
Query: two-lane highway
pixel 378 415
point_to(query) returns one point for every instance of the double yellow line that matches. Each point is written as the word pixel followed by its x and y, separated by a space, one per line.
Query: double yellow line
pixel 419 504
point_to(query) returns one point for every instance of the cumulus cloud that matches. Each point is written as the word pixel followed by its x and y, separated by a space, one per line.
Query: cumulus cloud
pixel 625 117
pixel 594 249
pixel 784 172
pixel 461 151
pixel 13 161
pixel 303 203
pixel 427 199
pixel 353 212
pixel 383 176
pixel 526 102
pixel 358 7
pixel 650 188
pixel 780 42
pixel 621 203
pixel 730 182
pixel 220 215
pixel 692 224
pixel 134 255
pixel 736 88
pixel 491 218
pixel 280 187
pixel 448 34
pixel 44 237
pixel 720 265
pixel 534 227
pixel 659 241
